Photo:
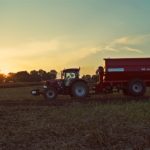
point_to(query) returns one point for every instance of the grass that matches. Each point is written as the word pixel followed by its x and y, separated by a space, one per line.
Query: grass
pixel 103 122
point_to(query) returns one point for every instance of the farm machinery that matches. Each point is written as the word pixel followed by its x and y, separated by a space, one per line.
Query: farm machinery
pixel 69 84
pixel 129 75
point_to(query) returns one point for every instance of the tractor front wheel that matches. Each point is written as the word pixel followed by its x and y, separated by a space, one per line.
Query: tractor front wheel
pixel 50 94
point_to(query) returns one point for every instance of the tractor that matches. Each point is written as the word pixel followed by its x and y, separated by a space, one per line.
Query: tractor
pixel 69 84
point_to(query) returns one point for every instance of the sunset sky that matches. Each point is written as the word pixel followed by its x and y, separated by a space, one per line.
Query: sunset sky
pixel 56 34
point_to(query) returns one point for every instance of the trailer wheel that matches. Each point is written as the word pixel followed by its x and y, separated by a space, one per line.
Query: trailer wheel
pixel 80 90
pixel 50 94
pixel 137 88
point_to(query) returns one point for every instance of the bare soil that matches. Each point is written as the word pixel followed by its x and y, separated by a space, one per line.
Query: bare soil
pixel 99 122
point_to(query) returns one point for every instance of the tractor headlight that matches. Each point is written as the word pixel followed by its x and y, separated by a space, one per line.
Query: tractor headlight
pixel 45 87
pixel 34 92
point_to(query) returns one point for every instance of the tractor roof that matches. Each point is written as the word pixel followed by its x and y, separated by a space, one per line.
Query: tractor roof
pixel 72 70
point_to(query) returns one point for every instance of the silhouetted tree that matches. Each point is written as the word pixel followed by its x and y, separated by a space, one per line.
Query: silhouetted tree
pixel 53 74
pixel 95 78
pixel 42 74
pixel 10 77
pixel 22 76
pixel 2 78
pixel 87 78
pixel 34 76
pixel 47 75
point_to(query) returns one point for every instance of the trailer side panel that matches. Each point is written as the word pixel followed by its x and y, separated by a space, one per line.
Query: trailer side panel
pixel 127 69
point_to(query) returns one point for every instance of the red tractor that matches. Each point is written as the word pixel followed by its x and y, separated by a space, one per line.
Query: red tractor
pixel 69 84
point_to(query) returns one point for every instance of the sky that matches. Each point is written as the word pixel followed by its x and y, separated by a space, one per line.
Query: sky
pixel 57 34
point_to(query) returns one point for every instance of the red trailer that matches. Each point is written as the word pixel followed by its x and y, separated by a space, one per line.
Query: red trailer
pixel 131 75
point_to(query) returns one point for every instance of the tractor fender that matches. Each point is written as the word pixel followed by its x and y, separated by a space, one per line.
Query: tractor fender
pixel 53 84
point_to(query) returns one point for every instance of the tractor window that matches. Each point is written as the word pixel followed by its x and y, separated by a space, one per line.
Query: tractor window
pixel 70 75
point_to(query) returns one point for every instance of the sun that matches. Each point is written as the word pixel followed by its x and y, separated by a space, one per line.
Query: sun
pixel 4 71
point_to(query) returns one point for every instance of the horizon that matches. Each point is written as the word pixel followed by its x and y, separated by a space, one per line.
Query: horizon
pixel 6 72
pixel 59 34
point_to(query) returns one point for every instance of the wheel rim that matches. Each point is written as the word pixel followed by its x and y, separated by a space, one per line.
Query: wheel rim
pixel 137 88
pixel 80 91
pixel 50 94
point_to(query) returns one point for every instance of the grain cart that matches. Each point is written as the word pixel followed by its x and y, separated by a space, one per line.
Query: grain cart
pixel 130 75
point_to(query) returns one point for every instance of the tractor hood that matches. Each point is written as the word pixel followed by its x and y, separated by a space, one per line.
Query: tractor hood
pixel 53 83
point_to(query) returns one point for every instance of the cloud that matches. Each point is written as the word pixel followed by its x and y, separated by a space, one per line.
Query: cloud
pixel 127 44
pixel 110 48
pixel 133 50
pixel 60 52
pixel 35 54
pixel 85 52
pixel 63 47
pixel 132 40
pixel 29 48
pixel 121 44
pixel 122 41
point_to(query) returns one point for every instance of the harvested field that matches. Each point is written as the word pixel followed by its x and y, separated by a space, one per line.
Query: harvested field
pixel 99 122
pixel 19 84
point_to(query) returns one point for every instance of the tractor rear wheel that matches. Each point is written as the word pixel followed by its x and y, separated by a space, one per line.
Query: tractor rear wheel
pixel 80 90
pixel 137 88
pixel 50 94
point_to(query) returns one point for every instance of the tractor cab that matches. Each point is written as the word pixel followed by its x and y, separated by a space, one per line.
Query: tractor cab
pixel 72 73
pixel 69 75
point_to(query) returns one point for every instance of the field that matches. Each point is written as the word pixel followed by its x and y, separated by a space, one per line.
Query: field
pixel 101 122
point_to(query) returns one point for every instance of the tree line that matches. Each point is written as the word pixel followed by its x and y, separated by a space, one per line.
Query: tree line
pixel 25 76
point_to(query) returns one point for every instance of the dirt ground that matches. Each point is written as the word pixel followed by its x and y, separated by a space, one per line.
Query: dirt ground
pixel 99 122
